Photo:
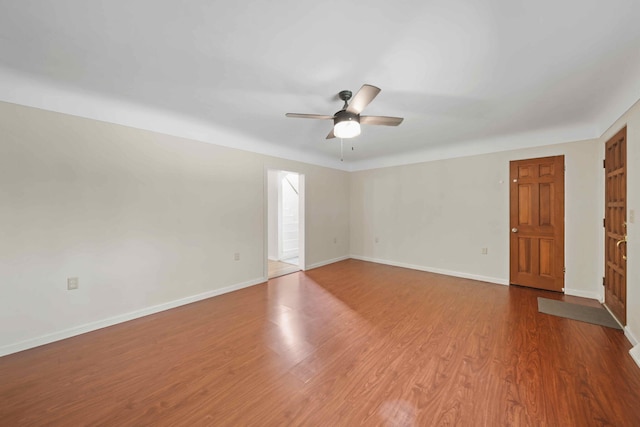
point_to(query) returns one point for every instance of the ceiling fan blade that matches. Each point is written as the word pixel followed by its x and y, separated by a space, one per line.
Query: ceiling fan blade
pixel 364 96
pixel 309 116
pixel 331 135
pixel 380 120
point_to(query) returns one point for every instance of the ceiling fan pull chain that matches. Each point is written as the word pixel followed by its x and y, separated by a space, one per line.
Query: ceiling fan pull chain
pixel 341 150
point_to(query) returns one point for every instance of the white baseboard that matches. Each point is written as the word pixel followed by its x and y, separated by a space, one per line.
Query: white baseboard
pixel 635 354
pixel 326 262
pixel 92 326
pixel 583 294
pixel 630 336
pixel 462 275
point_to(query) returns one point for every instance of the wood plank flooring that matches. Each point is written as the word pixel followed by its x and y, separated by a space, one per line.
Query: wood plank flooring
pixel 352 343
pixel 280 268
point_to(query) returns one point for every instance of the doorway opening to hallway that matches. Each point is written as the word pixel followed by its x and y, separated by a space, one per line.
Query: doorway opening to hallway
pixel 285 222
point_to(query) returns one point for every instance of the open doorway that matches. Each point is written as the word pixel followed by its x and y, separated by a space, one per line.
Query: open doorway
pixel 285 222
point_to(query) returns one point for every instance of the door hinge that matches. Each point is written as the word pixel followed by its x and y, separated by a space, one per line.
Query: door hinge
pixel 604 222
pixel 564 269
pixel 603 281
pixel 604 163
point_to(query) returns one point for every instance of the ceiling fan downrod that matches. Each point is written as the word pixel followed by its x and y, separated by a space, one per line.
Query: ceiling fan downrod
pixel 345 95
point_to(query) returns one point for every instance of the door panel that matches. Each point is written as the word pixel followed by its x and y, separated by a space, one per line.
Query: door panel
pixel 615 274
pixel 546 258
pixel 524 205
pixel 537 223
pixel 546 204
pixel 524 255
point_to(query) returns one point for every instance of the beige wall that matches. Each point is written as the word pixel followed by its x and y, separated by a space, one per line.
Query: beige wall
pixel 145 221
pixel 437 216
pixel 632 120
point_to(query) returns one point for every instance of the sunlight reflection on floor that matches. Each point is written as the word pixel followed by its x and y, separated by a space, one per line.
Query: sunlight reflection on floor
pixel 398 413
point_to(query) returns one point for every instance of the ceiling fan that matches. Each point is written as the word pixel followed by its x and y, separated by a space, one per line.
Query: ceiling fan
pixel 346 122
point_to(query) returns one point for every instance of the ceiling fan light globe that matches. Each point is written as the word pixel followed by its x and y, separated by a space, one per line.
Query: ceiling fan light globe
pixel 346 129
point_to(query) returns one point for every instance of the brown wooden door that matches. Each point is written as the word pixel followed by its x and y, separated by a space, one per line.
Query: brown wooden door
pixel 537 223
pixel 615 272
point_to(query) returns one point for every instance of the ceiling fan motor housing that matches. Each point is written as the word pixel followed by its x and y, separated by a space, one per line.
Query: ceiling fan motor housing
pixel 343 115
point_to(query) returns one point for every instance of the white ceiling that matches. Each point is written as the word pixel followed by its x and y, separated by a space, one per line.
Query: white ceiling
pixel 469 76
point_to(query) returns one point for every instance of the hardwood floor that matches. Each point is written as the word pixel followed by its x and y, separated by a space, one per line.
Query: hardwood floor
pixel 352 343
pixel 280 268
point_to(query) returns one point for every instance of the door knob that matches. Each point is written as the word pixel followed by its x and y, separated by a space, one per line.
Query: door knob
pixel 514 230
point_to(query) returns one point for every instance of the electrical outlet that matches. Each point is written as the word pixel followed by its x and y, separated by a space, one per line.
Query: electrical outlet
pixel 72 283
pixel 236 256
pixel 485 251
